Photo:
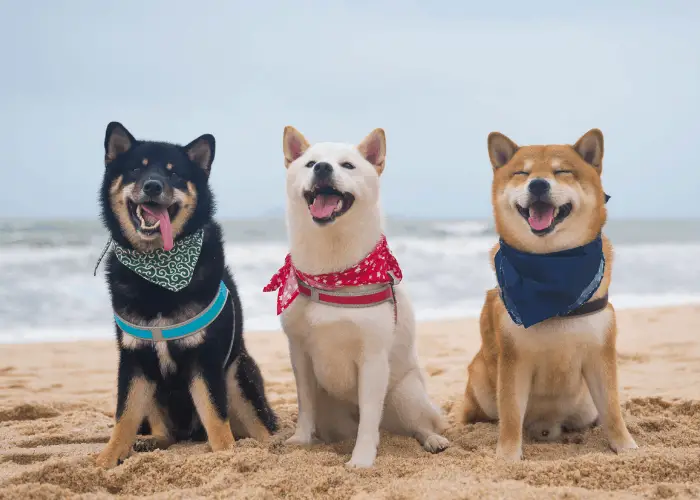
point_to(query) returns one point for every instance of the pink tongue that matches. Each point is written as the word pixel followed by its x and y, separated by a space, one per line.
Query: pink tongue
pixel 324 205
pixel 166 231
pixel 541 217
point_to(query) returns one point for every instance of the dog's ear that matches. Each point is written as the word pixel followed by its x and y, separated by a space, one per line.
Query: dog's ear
pixel 373 149
pixel 501 149
pixel 201 152
pixel 118 140
pixel 590 147
pixel 294 144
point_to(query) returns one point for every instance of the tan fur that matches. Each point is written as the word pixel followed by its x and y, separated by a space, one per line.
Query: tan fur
pixel 218 430
pixel 561 372
pixel 123 436
pixel 188 203
pixel 119 193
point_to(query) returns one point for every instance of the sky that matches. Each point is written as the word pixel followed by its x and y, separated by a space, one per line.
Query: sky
pixel 437 76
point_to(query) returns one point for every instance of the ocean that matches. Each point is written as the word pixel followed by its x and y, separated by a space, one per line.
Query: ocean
pixel 48 291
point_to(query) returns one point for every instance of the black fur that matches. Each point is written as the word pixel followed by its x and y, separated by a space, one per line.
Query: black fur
pixel 135 297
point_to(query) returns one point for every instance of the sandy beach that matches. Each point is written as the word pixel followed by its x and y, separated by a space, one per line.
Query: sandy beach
pixel 57 403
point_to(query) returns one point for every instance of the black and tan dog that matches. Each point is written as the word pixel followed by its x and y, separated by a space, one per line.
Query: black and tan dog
pixel 183 366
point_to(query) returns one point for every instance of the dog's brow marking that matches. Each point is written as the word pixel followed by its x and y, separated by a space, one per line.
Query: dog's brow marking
pixel 556 163
pixel 169 166
pixel 528 165
pixel 144 161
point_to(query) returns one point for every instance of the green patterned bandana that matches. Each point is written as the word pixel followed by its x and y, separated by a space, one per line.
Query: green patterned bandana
pixel 171 270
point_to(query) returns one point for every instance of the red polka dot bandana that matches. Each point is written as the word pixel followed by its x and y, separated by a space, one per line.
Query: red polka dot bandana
pixel 372 270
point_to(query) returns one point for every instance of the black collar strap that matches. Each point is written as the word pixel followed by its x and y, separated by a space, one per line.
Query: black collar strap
pixel 590 307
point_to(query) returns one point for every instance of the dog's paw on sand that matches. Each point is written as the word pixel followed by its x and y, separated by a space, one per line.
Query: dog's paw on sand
pixel 624 446
pixel 509 455
pixel 360 463
pixel 436 443
pixel 301 440
pixel 147 444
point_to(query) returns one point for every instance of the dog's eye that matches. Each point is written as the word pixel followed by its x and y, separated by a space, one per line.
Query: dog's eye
pixel 558 172
pixel 519 172
pixel 347 165
pixel 310 164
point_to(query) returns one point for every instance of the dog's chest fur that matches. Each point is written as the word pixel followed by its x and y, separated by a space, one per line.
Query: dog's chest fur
pixel 555 351
pixel 166 363
pixel 336 338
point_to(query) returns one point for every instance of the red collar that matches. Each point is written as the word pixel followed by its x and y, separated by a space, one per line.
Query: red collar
pixel 379 267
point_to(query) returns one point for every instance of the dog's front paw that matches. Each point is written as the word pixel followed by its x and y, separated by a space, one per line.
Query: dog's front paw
pixel 360 462
pixel 110 457
pixel 509 453
pixel 623 444
pixel 436 443
pixel 302 439
pixel 362 457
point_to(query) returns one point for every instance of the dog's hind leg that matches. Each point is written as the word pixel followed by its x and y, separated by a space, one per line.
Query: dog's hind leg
pixel 134 396
pixel 208 389
pixel 480 395
pixel 250 413
pixel 409 411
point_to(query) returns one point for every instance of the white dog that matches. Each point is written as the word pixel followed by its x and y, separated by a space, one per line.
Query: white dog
pixel 351 331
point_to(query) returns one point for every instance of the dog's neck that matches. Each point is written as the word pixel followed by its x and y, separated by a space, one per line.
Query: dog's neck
pixel 325 249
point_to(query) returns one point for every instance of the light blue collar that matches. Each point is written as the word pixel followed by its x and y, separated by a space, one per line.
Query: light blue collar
pixel 181 330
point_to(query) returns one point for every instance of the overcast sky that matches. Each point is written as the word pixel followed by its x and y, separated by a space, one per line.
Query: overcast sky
pixel 438 76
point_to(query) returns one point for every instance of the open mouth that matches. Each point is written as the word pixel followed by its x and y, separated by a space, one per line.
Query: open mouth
pixel 543 217
pixel 327 203
pixel 151 218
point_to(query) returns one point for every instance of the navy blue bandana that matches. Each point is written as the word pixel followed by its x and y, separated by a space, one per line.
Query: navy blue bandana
pixel 536 287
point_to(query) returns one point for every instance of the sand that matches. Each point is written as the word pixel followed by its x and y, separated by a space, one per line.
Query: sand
pixel 57 404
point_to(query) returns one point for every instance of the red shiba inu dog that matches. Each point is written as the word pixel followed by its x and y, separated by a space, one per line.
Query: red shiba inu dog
pixel 547 363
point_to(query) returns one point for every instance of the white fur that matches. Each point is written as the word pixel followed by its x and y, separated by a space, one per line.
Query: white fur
pixel 350 362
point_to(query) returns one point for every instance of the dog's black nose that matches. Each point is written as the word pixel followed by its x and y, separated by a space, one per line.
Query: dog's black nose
pixel 538 187
pixel 153 187
pixel 323 169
